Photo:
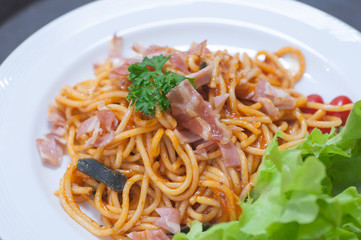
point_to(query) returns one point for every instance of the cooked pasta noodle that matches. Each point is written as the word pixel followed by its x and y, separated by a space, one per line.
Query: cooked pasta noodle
pixel 163 171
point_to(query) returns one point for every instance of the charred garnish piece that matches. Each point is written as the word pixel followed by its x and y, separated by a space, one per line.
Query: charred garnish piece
pixel 205 226
pixel 202 65
pixel 110 177
pixel 185 229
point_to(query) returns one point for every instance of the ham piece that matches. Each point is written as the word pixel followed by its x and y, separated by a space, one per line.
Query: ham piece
pixel 197 48
pixel 138 48
pixel 202 152
pixel 206 145
pixel 148 235
pixel 58 133
pixel 121 71
pixel 203 76
pixel 230 154
pixel 178 61
pixel 104 140
pixel 220 100
pixel 51 152
pixel 103 120
pixel 186 136
pixel 51 148
pixel 273 99
pixel 169 219
pixel 107 119
pixel 268 107
pixel 280 98
pixel 55 115
pixel 116 46
pixel 195 114
pixel 192 112
pixel 88 126
pixel 152 50
pixel 245 91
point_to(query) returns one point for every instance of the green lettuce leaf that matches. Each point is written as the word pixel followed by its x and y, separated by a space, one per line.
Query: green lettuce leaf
pixel 308 192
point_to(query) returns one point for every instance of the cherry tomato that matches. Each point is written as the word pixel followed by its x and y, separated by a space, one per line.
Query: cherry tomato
pixel 312 98
pixel 339 101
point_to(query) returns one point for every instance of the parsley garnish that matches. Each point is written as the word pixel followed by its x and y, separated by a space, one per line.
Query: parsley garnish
pixel 150 87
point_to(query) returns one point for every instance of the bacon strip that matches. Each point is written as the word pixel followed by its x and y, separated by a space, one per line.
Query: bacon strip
pixel 273 99
pixel 116 47
pixel 148 235
pixel 104 140
pixel 122 67
pixel 107 119
pixel 118 72
pixel 220 100
pixel 280 98
pixel 206 145
pixel 202 152
pixel 269 108
pixel 152 50
pixel 50 151
pixel 192 112
pixel 169 219
pixel 178 61
pixel 230 155
pixel 186 136
pixel 103 120
pixel 203 76
pixel 197 48
pixel 245 90
pixel 88 126
pixel 58 133
pixel 55 115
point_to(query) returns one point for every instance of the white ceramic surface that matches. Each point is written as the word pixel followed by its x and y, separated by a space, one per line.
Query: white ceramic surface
pixel 63 53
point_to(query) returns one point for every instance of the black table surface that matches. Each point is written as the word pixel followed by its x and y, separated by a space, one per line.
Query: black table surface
pixel 20 18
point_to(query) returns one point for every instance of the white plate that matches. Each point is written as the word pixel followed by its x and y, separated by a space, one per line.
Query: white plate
pixel 63 53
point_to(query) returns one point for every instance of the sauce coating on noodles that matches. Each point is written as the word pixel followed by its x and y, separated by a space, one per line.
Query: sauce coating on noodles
pixel 196 160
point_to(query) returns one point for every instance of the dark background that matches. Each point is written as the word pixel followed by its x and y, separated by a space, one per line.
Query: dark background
pixel 20 18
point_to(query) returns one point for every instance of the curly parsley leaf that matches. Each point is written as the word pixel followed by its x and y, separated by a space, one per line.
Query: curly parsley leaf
pixel 150 85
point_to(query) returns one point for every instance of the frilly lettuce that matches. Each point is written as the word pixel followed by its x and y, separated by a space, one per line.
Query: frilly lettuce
pixel 308 192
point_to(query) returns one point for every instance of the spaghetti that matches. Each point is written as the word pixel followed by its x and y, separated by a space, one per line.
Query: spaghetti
pixel 164 170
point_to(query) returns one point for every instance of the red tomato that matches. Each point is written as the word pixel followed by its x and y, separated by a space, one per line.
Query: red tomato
pixel 312 98
pixel 339 101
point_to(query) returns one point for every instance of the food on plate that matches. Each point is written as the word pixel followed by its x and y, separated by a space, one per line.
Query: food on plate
pixel 306 192
pixel 169 139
